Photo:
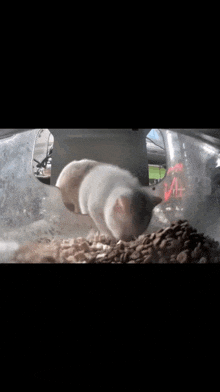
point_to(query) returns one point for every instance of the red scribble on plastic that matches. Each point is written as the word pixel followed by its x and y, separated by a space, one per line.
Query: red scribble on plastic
pixel 176 168
pixel 174 189
pixel 167 193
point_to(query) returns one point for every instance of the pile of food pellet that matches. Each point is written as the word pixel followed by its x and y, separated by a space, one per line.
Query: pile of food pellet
pixel 177 244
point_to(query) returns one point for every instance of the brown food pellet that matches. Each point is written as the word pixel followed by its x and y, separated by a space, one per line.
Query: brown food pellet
pixel 126 256
pixel 182 257
pixel 188 251
pixel 147 259
pixel 159 231
pixel 184 223
pixel 139 260
pixel 156 241
pixel 203 260
pixel 163 244
pixel 68 252
pixel 184 236
pixel 180 221
pixel 146 241
pixel 71 259
pixel 141 237
pixel 186 243
pixel 179 233
pixel 79 256
pixel 139 248
pixel 174 244
pixel 147 246
pixel 89 257
pixel 65 246
pixel 84 246
pixel 112 254
pixel 120 246
pixel 135 255
pixel 132 244
pixel 166 232
pixel 175 228
pixel 197 250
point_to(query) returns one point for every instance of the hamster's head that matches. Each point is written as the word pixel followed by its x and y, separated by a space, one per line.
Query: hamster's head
pixel 131 214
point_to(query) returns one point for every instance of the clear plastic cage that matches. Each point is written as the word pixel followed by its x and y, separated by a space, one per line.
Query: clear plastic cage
pixel 30 208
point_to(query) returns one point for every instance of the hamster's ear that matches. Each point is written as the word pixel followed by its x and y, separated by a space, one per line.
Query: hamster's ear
pixel 122 205
pixel 156 200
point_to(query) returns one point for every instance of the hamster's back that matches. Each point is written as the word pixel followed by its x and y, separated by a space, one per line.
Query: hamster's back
pixel 70 179
pixel 100 181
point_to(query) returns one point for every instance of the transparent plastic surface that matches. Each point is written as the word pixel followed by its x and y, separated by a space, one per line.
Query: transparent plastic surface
pixel 30 210
pixel 191 187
